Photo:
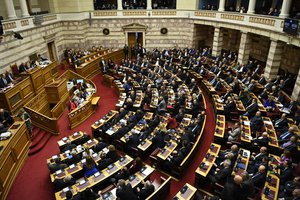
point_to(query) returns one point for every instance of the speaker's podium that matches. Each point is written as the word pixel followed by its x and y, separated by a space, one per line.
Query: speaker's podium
pixel 57 96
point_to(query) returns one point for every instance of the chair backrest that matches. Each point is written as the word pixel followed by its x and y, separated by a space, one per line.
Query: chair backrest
pixel 14 69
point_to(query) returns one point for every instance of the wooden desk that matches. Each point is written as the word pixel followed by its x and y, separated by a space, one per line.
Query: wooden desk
pixel 239 105
pixel 189 192
pixel 167 150
pixel 97 178
pixel 245 130
pixel 219 107
pixel 107 118
pixel 261 107
pixel 76 136
pixel 208 161
pixel 242 162
pixel 220 127
pixel 13 156
pixel 272 181
pixel 269 128
pixel 91 67
pixel 15 97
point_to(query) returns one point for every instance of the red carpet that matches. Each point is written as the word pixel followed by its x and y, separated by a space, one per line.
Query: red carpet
pixel 33 181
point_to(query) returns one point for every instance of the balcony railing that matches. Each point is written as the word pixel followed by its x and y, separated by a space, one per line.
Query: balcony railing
pixel 262 22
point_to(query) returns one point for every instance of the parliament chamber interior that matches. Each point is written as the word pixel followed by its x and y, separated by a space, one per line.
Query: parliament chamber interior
pixel 149 99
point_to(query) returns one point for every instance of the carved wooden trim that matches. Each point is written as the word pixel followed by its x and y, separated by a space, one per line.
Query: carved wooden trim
pixel 205 14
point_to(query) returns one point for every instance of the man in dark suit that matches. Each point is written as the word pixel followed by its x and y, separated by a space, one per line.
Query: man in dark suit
pixel 146 191
pixel 229 106
pixel 9 77
pixel 72 158
pixel 5 118
pixel 100 145
pixel 60 184
pixel 256 122
pixel 22 68
pixel 220 174
pixel 162 106
pixel 3 81
pixel 285 137
pixel 233 188
pixel 291 145
pixel 252 108
pixel 57 165
pixel 286 172
pixel 124 191
pixel 247 186
pixel 126 51
pixel 259 177
pixel 281 124
pixel 68 146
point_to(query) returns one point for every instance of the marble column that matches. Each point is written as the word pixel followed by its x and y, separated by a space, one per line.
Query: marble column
pixel 120 5
pixel 251 7
pixel 221 5
pixel 218 42
pixel 274 59
pixel 285 8
pixel 149 4
pixel 296 90
pixel 10 8
pixel 245 47
pixel 24 9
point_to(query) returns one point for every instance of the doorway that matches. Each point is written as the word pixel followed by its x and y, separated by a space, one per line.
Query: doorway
pixel 135 39
pixel 51 51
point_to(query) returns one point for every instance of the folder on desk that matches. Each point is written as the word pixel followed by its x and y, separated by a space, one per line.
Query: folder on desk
pixel 147 171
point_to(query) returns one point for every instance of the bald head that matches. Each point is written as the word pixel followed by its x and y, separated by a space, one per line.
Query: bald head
pixel 262 169
pixel 238 179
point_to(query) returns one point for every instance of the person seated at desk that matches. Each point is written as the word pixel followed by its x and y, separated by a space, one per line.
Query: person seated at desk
pixel 60 184
pixel 259 178
pixel 100 145
pixel 291 108
pixel 124 191
pixel 173 160
pixel 147 189
pixel 220 174
pixel 253 166
pixel 158 140
pixel 234 134
pixel 263 95
pixel 290 145
pixel 72 158
pixel 247 186
pixel 229 106
pixel 281 124
pixel 89 194
pixel 23 68
pixel 260 141
pixel 294 196
pixel 285 137
pixel 68 146
pixel 234 149
pixel 9 77
pixel 124 173
pixel 286 172
pixel 252 108
pixel 112 153
pixel 57 165
pixel 5 118
pixel 128 105
pixel 89 167
pixel 162 106
pixel 269 85
pixel 289 187
pixel 269 104
pixel 171 122
pixel 252 85
pixel 3 81
pixel 71 104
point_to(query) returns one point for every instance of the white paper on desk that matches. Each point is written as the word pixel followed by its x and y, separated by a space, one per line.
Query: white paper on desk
pixel 123 121
pixel 101 120
pixel 94 155
pixel 118 105
pixel 58 172
pixel 66 189
pixel 286 110
pixel 90 141
pixel 248 137
pixel 60 143
pixel 105 150
pixel 67 152
pixel 147 171
pixel 279 105
pixel 65 138
pixel 219 101
pixel 247 123
pixel 81 182
pixel 110 132
pixel 113 192
pixel 83 161
pixel 54 157
pixel 72 166
pixel 268 122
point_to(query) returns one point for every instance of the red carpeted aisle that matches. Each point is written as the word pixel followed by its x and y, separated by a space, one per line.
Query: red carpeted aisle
pixel 33 181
